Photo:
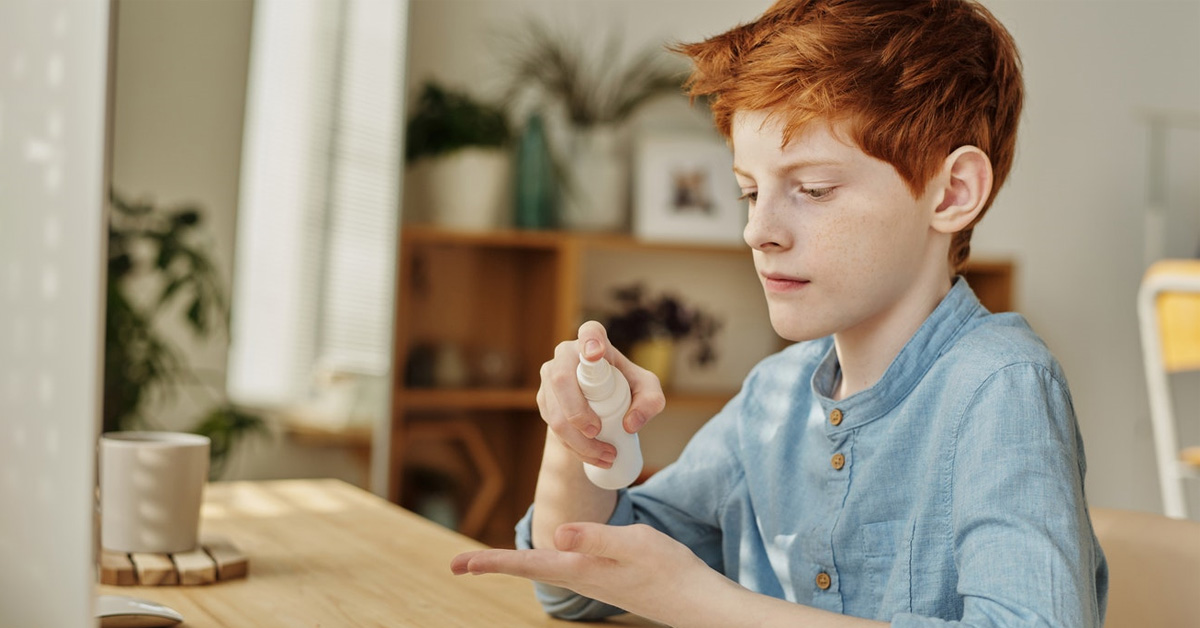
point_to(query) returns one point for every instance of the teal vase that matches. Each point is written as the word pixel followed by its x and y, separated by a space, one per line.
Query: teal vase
pixel 535 188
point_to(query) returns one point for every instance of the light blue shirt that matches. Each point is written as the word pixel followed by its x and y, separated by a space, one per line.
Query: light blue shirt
pixel 949 493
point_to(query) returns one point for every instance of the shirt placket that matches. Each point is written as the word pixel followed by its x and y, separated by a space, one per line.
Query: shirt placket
pixel 825 580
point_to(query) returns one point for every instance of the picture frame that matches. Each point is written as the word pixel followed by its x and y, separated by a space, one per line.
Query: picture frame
pixel 685 191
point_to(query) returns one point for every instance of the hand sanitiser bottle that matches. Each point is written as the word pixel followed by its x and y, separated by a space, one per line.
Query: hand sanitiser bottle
pixel 607 392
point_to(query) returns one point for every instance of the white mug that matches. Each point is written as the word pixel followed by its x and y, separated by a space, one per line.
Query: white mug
pixel 151 487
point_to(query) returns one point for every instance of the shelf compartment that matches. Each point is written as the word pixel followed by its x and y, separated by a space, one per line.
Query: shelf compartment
pixel 482 298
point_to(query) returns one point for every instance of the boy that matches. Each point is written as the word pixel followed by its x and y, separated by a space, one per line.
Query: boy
pixel 913 459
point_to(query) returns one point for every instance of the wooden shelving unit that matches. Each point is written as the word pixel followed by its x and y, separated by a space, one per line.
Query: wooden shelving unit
pixel 517 293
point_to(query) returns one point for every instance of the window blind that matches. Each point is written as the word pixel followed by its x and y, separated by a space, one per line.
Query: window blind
pixel 320 190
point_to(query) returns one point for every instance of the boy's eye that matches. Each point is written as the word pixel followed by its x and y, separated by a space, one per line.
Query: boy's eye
pixel 751 196
pixel 816 193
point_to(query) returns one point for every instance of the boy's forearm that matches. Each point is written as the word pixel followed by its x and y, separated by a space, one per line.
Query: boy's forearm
pixel 728 604
pixel 565 495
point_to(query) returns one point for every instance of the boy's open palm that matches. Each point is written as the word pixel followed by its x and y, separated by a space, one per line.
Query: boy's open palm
pixel 636 568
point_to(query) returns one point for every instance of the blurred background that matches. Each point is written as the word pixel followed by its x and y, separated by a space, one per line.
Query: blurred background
pixel 315 194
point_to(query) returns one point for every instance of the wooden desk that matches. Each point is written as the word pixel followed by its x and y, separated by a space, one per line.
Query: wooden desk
pixel 325 553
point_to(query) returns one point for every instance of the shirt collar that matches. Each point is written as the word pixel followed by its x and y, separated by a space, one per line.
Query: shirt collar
pixel 920 352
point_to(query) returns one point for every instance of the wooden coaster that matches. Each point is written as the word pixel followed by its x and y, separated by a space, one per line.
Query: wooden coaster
pixel 216 560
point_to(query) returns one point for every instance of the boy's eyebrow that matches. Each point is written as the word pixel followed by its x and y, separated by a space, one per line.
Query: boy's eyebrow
pixel 796 165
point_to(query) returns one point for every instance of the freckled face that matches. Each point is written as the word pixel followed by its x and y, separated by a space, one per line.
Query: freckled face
pixel 838 238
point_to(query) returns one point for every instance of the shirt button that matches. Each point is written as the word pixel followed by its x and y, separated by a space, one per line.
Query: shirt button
pixel 835 417
pixel 838 461
pixel 823 581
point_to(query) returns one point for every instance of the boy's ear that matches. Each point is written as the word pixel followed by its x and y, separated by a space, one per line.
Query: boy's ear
pixel 966 178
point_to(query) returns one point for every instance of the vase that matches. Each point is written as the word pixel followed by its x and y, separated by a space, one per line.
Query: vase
pixel 468 188
pixel 596 181
pixel 656 355
pixel 536 195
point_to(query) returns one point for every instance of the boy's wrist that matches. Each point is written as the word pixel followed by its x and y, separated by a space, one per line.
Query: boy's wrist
pixel 556 453
pixel 709 599
pixel 564 494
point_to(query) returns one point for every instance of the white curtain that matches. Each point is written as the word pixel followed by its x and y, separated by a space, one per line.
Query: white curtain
pixel 320 196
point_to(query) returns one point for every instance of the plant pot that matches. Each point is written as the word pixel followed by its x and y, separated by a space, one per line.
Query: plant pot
pixel 469 189
pixel 596 185
pixel 656 355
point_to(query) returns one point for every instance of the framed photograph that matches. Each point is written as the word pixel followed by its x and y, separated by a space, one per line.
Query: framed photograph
pixel 685 191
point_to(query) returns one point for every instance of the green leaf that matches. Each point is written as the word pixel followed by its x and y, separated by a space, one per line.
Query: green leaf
pixel 141 367
pixel 195 315
pixel 188 217
pixel 225 426
pixel 167 250
pixel 172 287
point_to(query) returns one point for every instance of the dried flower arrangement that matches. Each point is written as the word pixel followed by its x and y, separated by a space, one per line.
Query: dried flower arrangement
pixel 640 317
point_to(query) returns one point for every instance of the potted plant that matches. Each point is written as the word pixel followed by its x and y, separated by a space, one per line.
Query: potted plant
pixel 158 271
pixel 648 329
pixel 459 147
pixel 596 89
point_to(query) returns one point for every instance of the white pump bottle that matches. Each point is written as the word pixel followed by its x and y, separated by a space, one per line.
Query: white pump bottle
pixel 607 392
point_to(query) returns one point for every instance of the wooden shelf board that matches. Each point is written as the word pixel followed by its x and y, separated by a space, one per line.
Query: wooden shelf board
pixel 507 238
pixel 623 242
pixel 312 433
pixel 526 399
pixel 551 239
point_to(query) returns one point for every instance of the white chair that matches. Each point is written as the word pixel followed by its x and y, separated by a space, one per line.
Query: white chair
pixel 1169 316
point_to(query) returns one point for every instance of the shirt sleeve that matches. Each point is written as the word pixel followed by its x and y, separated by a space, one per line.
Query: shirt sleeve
pixel 1023 543
pixel 684 501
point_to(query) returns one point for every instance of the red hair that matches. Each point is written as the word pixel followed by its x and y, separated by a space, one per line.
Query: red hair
pixel 914 79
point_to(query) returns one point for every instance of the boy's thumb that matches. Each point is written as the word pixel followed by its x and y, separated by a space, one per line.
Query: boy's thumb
pixel 634 421
pixel 593 349
pixel 584 538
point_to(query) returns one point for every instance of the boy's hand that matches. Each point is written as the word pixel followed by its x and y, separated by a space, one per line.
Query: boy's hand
pixel 635 567
pixel 568 414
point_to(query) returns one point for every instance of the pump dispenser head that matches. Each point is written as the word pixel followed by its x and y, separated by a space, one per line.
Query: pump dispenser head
pixel 595 379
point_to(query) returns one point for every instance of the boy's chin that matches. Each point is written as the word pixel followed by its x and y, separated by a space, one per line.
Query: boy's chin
pixel 793 331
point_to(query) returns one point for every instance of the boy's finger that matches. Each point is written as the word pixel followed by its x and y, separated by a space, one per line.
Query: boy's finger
pixel 458 564
pixel 585 449
pixel 648 399
pixel 543 565
pixel 593 340
pixel 597 539
pixel 634 421
pixel 559 377
pixel 589 450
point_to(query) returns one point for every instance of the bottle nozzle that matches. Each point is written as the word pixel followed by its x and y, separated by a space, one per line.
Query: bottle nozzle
pixel 594 377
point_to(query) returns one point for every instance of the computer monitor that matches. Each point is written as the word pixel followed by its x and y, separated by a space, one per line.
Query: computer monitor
pixel 54 58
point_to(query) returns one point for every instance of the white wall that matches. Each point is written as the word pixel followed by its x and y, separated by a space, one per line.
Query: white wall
pixel 181 69
pixel 177 136
pixel 1071 215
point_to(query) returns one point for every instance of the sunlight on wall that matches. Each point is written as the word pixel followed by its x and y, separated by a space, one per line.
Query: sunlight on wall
pixel 53 59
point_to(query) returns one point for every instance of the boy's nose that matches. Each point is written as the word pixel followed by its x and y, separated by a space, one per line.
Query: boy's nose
pixel 764 228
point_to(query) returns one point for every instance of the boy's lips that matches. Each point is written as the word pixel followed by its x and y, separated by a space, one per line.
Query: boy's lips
pixel 777 282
